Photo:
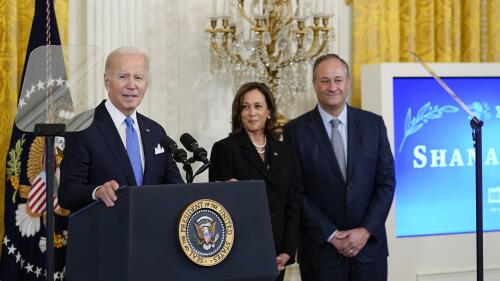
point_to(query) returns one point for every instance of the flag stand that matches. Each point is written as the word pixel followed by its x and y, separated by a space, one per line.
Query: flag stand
pixel 49 132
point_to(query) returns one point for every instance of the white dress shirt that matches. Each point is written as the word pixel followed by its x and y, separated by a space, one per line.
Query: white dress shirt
pixel 327 118
pixel 119 120
pixel 121 126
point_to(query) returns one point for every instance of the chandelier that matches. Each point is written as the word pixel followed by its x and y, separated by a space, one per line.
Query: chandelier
pixel 270 41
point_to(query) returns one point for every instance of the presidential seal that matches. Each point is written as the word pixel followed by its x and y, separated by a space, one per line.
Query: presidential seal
pixel 206 232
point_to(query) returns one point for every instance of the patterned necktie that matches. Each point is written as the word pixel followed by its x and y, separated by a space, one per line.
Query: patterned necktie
pixel 338 146
pixel 133 150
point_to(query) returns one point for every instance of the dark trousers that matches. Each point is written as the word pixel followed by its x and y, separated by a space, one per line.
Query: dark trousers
pixel 347 270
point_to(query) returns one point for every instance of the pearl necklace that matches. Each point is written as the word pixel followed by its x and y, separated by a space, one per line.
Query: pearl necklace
pixel 261 148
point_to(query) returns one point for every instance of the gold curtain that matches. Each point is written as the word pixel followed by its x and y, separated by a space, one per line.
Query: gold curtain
pixel 437 30
pixel 15 26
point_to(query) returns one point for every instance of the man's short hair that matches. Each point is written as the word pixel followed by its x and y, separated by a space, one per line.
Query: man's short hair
pixel 125 50
pixel 327 57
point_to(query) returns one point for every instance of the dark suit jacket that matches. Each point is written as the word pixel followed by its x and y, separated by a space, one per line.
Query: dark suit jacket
pixel 236 157
pixel 329 201
pixel 97 155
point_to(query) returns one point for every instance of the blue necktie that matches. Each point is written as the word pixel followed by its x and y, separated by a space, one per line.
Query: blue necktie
pixel 133 150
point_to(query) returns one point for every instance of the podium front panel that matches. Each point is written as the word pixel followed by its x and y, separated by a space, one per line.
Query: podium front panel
pixel 153 249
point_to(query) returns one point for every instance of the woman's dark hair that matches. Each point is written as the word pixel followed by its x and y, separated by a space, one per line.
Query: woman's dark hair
pixel 236 124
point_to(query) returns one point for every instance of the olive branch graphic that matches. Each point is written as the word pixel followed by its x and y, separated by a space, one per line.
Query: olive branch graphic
pixel 481 110
pixel 425 113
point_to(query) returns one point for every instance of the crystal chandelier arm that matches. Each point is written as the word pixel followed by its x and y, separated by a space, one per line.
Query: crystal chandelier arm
pixel 287 17
pixel 301 33
pixel 289 62
pixel 213 45
pixel 291 59
pixel 243 13
pixel 279 19
pixel 298 9
pixel 274 27
pixel 311 52
pixel 213 30
pixel 260 46
pixel 230 34
pixel 235 57
pixel 278 57
pixel 325 30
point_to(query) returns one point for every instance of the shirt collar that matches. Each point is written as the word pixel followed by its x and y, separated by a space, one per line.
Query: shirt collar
pixel 117 116
pixel 326 117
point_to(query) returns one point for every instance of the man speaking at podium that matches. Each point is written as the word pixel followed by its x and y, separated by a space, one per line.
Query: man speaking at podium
pixel 121 147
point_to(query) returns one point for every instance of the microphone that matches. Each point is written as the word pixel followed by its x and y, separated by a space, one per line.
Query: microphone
pixel 178 154
pixel 199 153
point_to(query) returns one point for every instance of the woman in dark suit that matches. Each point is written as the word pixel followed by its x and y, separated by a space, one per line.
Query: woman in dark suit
pixel 251 152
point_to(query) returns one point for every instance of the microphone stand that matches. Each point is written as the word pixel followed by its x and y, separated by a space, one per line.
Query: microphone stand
pixel 202 168
pixel 476 126
pixel 189 171
pixel 179 156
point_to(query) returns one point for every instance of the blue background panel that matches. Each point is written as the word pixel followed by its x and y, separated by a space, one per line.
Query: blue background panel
pixel 434 155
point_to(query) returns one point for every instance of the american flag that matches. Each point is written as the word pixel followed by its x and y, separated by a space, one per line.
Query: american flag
pixel 36 197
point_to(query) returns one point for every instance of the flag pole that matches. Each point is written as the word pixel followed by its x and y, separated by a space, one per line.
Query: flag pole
pixel 49 132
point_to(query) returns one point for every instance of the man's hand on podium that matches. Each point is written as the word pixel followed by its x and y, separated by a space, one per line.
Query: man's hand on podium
pixel 106 193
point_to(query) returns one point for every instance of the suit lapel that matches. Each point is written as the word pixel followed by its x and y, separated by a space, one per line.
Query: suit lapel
pixel 318 130
pixel 274 156
pixel 147 146
pixel 353 141
pixel 113 141
pixel 249 152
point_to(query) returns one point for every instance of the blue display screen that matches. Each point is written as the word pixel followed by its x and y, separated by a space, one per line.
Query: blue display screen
pixel 435 155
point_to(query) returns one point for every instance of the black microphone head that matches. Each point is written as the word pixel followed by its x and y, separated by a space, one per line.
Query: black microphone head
pixel 189 142
pixel 199 153
pixel 169 144
pixel 180 155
